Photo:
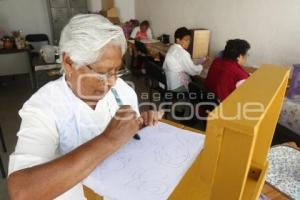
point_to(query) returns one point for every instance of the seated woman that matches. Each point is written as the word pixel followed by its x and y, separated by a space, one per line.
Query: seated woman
pixel 142 32
pixel 71 125
pixel 227 73
pixel 178 63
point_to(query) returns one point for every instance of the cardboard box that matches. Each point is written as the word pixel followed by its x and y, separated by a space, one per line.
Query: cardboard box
pixel 107 4
pixel 114 20
pixel 112 12
pixel 199 47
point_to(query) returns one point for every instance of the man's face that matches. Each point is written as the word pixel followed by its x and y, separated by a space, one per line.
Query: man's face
pixel 184 42
pixel 91 83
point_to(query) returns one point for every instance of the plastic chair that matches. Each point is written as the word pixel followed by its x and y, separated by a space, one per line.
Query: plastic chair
pixel 3 173
pixel 161 59
pixel 203 96
pixel 139 58
pixel 36 41
pixel 157 82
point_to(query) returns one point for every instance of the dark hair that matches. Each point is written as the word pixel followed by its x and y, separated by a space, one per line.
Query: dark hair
pixel 235 48
pixel 181 33
pixel 145 23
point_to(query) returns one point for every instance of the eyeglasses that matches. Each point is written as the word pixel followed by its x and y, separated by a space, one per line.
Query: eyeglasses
pixel 107 76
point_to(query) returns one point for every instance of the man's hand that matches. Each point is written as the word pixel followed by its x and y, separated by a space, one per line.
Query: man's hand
pixel 151 118
pixel 207 63
pixel 123 126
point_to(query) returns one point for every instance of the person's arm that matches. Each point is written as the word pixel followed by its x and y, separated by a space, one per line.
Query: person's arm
pixel 191 68
pixel 188 65
pixel 134 32
pixel 49 180
pixel 149 33
pixel 241 76
pixel 238 84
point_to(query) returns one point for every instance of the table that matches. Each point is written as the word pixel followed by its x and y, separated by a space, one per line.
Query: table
pixel 16 61
pixel 153 48
pixel 268 190
pixel 45 72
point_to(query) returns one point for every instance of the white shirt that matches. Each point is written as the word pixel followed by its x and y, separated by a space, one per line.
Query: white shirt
pixel 179 67
pixel 55 121
pixel 138 29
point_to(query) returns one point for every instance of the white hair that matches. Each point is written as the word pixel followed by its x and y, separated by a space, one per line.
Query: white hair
pixel 86 35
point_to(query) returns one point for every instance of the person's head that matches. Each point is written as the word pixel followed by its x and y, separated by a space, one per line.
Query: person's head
pixel 183 37
pixel 91 53
pixel 144 26
pixel 237 50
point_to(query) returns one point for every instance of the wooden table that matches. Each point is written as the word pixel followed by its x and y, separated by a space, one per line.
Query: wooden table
pixel 14 62
pixel 44 72
pixel 154 49
pixel 271 192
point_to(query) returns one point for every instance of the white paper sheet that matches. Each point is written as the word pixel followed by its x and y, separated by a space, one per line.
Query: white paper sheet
pixel 147 169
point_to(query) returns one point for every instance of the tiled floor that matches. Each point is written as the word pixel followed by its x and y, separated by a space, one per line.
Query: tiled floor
pixel 14 91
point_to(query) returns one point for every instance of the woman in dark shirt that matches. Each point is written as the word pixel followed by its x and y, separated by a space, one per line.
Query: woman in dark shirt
pixel 227 73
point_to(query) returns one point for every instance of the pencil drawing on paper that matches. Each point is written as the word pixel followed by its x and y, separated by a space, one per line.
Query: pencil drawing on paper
pixel 147 180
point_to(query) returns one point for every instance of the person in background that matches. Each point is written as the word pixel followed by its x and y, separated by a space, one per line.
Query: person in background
pixel 179 65
pixel 226 72
pixel 142 32
pixel 129 26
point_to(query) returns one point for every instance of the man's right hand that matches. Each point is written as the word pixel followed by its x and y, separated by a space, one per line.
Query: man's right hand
pixel 208 61
pixel 123 126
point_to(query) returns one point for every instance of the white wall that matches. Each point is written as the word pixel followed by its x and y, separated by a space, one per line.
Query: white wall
pixel 31 16
pixel 271 26
pixel 126 8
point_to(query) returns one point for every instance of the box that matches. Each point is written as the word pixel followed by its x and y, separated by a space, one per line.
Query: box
pixel 107 4
pixel 199 47
pixel 114 20
pixel 112 12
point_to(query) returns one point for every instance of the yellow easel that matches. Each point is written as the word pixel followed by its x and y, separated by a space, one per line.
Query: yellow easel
pixel 233 163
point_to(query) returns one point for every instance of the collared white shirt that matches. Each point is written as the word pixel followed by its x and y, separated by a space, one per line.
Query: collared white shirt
pixel 138 29
pixel 179 67
pixel 55 121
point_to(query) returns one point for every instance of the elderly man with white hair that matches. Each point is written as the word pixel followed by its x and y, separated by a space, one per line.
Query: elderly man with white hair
pixel 73 124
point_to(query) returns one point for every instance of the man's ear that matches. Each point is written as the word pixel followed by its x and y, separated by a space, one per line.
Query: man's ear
pixel 67 63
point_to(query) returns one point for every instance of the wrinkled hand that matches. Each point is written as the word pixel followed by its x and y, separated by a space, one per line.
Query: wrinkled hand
pixel 123 126
pixel 150 118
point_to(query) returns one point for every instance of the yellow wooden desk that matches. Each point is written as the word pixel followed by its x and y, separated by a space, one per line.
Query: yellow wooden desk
pixel 233 163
